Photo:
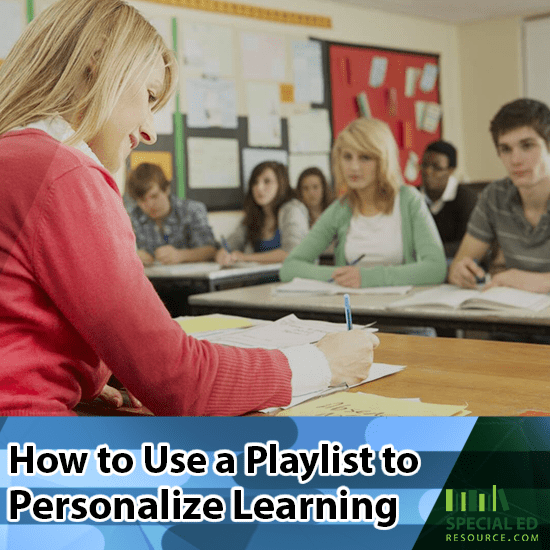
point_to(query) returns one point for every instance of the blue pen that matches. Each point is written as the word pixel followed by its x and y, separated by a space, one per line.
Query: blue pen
pixel 347 309
pixel 356 261
pixel 225 245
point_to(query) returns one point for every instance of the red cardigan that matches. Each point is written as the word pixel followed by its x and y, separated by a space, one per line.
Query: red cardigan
pixel 74 298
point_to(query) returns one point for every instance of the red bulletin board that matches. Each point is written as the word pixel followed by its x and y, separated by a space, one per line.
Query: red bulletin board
pixel 350 68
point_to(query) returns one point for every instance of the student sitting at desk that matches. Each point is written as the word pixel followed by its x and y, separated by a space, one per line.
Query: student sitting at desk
pixel 274 221
pixel 378 220
pixel 513 211
pixel 168 229
pixel 313 190
pixel 450 204
pixel 77 93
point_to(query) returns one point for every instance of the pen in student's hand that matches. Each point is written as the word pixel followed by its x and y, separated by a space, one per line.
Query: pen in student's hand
pixel 480 280
pixel 356 261
pixel 347 309
pixel 225 245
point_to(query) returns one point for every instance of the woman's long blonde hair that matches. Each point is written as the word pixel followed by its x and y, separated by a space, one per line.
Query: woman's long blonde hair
pixel 75 59
pixel 374 138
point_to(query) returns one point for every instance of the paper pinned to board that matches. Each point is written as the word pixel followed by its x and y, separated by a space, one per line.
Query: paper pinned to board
pixel 411 78
pixel 307 66
pixel 365 404
pixel 428 78
pixel 378 69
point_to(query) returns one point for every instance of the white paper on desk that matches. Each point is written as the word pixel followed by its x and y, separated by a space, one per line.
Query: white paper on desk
pixel 207 49
pixel 496 298
pixel 264 114
pixel 377 370
pixel 263 57
pixel 308 71
pixel 213 163
pixel 378 69
pixel 12 17
pixel 311 286
pixel 284 333
pixel 211 103
pixel 197 268
pixel 309 132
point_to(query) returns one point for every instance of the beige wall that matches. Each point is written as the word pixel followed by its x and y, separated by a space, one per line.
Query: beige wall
pixel 490 74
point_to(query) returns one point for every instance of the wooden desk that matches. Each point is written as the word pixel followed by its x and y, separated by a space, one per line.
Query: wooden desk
pixel 210 276
pixel 260 302
pixel 492 378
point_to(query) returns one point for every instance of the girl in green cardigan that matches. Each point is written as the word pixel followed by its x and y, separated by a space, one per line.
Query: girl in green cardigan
pixel 386 235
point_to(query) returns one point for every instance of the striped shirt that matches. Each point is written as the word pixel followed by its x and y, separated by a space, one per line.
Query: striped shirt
pixel 186 226
pixel 498 216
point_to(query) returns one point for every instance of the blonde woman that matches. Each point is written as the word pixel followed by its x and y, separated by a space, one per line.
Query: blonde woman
pixel 386 235
pixel 77 93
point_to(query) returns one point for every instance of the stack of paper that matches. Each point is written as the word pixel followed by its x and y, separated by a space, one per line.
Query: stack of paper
pixel 311 286
pixel 284 333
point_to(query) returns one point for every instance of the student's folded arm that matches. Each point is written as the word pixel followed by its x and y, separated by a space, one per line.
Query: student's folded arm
pixel 92 274
pixel 301 261
pixel 428 265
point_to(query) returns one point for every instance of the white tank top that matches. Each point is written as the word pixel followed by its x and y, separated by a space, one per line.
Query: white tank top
pixel 379 237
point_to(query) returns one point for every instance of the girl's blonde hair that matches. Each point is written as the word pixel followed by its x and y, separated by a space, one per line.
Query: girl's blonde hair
pixel 374 138
pixel 75 60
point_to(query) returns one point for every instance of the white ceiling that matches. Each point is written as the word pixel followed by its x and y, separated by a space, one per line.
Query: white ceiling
pixel 457 11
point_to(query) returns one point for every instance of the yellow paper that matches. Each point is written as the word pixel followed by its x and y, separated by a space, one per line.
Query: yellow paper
pixel 204 323
pixel 162 158
pixel 366 404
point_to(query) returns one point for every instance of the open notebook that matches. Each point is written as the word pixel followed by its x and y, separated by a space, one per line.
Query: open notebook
pixel 312 286
pixel 495 299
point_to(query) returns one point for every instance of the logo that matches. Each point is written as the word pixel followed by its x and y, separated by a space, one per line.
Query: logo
pixel 475 501
pixel 476 515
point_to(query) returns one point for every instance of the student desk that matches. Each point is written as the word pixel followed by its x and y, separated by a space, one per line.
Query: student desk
pixel 209 276
pixel 492 378
pixel 260 302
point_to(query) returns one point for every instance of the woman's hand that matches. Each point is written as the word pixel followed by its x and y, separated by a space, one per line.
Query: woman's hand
pixel 348 275
pixel 349 354
pixel 113 398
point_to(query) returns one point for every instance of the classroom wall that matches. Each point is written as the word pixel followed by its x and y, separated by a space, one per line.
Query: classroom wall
pixel 491 74
pixel 351 25
pixel 480 64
